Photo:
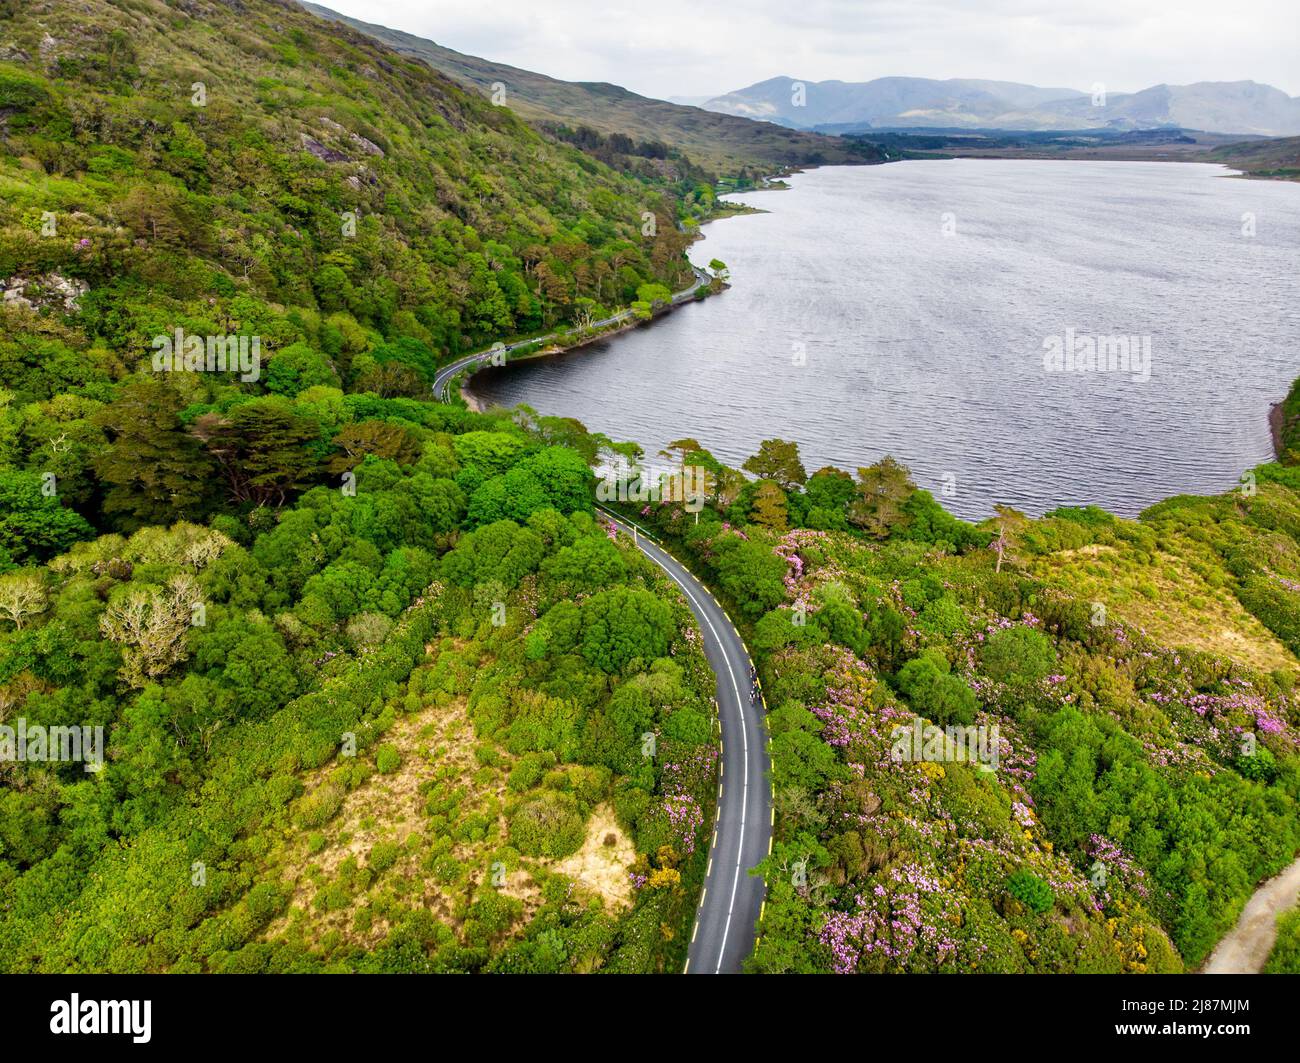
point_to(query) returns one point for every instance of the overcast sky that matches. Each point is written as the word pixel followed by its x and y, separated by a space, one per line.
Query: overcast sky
pixel 688 48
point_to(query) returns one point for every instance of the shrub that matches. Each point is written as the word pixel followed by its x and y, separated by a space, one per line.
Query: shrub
pixel 1260 765
pixel 934 692
pixel 368 629
pixel 320 806
pixel 528 772
pixel 1018 654
pixel 779 628
pixel 751 574
pixel 548 825
pixel 1285 957
pixel 1031 891
pixel 688 726
pixel 265 901
pixel 623 625
pixel 383 855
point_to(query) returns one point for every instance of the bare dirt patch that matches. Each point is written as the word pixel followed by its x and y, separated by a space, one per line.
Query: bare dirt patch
pixel 385 808
pixel 337 889
pixel 603 862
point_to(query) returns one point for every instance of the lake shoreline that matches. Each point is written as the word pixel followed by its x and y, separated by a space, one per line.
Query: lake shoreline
pixel 474 403
pixel 738 210
pixel 480 406
pixel 879 341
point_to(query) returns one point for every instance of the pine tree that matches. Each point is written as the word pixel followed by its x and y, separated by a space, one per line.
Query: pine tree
pixel 264 448
pixel 769 507
pixel 156 472
pixel 882 489
pixel 778 459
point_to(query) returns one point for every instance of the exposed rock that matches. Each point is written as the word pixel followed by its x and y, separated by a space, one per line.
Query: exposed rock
pixel 368 146
pixel 363 177
pixel 46 290
pixel 321 152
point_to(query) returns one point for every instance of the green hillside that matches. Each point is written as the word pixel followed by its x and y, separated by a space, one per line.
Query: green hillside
pixel 724 145
pixel 1108 759
pixel 291 598
pixel 1278 158
pixel 194 161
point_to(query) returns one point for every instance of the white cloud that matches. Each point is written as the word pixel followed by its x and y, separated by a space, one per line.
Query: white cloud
pixel 682 48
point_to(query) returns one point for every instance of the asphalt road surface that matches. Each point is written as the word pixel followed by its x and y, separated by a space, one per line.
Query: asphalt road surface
pixel 732 899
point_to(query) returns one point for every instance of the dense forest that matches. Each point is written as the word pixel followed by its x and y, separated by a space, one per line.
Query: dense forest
pixel 374 752
pixel 293 590
pixel 380 690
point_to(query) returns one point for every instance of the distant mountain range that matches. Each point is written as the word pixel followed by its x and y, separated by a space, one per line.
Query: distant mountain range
pixel 721 143
pixel 770 126
pixel 1243 107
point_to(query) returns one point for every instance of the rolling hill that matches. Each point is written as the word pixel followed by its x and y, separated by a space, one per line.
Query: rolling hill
pixel 725 145
pixel 1262 158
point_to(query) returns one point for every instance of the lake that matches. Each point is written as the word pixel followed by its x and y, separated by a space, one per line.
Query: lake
pixel 913 309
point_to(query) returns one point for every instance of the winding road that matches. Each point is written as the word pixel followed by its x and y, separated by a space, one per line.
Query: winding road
pixel 732 899
pixel 482 359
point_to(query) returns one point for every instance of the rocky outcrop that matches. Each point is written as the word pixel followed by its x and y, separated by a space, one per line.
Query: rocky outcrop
pixel 362 144
pixel 368 146
pixel 315 147
pixel 48 290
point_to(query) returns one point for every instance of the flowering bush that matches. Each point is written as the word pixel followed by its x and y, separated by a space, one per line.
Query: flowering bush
pixel 1077 852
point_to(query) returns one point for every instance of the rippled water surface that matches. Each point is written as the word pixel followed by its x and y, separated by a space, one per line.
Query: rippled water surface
pixel 930 346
